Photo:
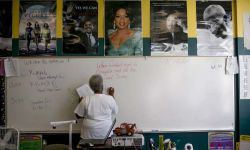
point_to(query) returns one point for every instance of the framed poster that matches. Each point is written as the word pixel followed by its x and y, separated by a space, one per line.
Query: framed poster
pixel 221 141
pixel 123 36
pixel 80 27
pixel 214 28
pixel 37 28
pixel 169 28
pixel 31 142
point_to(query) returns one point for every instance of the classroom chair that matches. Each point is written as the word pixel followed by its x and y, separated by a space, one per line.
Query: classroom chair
pixel 9 138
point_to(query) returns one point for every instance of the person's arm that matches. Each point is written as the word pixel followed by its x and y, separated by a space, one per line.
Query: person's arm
pixel 111 92
pixel 79 110
pixel 114 107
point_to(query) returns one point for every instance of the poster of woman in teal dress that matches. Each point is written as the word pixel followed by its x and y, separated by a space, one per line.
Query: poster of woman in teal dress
pixel 123 35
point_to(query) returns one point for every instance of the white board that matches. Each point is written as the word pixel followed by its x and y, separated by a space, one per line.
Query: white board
pixel 156 93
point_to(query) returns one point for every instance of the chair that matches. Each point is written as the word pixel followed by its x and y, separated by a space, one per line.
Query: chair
pixel 56 147
pixel 9 138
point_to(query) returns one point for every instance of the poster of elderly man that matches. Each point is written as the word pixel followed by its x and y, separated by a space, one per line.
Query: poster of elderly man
pixel 214 28
pixel 168 28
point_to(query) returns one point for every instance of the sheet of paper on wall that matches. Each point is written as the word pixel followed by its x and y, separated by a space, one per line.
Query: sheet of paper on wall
pixel 84 90
pixel 246 29
pixel 11 67
pixel 244 142
pixel 244 76
pixel 232 66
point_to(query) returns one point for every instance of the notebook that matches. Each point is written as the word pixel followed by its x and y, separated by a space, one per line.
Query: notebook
pixel 93 142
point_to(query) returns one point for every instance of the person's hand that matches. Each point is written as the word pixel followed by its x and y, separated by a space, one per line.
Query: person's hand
pixel 111 91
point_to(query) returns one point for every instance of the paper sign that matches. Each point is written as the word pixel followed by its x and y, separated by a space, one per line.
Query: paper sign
pixel 232 65
pixel 246 28
pixel 244 76
pixel 221 141
pixel 11 67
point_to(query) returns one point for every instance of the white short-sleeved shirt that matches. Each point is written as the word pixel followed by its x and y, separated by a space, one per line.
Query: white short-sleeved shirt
pixel 97 111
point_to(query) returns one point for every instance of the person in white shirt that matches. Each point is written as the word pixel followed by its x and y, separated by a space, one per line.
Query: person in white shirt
pixel 97 110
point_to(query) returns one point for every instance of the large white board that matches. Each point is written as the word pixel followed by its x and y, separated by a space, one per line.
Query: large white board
pixel 156 93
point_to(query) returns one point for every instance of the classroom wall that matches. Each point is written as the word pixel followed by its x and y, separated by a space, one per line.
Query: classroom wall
pixel 243 6
pixel 199 139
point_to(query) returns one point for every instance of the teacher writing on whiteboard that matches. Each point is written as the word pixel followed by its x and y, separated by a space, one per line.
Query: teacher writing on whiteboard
pixel 97 110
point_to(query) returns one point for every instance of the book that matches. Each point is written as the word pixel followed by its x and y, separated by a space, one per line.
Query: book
pixel 84 90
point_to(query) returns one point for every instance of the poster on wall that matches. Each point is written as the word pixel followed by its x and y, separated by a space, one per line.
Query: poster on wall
pixel 214 28
pixel 123 31
pixel 244 61
pixel 246 28
pixel 80 27
pixel 5 28
pixel 168 28
pixel 221 141
pixel 37 28
pixel 30 142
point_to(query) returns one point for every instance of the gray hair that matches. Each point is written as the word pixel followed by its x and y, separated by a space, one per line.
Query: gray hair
pixel 213 10
pixel 96 83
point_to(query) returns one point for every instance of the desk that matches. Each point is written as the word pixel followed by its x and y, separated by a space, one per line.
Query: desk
pixel 107 146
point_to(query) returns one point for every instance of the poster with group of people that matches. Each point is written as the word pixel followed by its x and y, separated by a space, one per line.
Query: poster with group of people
pixel 37 27
pixel 122 28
